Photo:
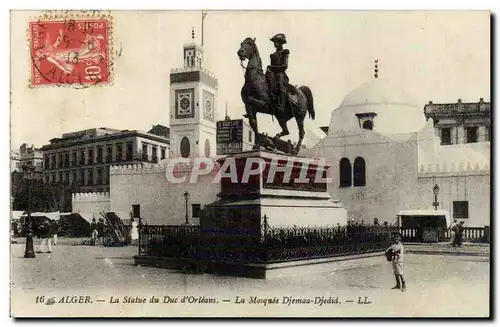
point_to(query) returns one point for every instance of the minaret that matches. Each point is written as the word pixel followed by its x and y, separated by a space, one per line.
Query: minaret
pixel 193 104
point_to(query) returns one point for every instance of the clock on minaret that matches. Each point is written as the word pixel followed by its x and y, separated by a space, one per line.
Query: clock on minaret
pixel 208 106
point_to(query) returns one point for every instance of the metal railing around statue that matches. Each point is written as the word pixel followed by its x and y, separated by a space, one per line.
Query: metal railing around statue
pixel 270 245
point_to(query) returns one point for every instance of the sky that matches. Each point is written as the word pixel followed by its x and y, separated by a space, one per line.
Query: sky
pixel 431 55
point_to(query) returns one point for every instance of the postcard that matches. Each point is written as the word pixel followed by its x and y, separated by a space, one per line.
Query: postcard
pixel 252 163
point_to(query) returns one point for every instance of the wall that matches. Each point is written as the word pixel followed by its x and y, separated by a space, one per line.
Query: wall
pixel 162 202
pixel 91 203
pixel 391 173
pixel 473 187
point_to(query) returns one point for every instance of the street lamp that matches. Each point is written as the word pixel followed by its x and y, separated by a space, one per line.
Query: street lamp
pixel 29 175
pixel 435 189
pixel 186 197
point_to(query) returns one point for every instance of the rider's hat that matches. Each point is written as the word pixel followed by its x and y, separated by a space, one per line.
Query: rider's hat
pixel 279 38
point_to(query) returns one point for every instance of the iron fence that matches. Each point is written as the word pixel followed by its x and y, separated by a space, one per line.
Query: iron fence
pixel 470 234
pixel 272 245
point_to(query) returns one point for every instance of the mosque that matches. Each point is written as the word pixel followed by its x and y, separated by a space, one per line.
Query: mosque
pixel 385 156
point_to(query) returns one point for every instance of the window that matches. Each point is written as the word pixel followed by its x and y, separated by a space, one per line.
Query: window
pixel 82 177
pixel 155 154
pixel 368 124
pixel 196 208
pixel 82 157
pixel 109 153
pixel 75 177
pixel 250 136
pixel 66 160
pixel 461 209
pixel 100 154
pixel 445 136
pixel 359 172
pixel 345 173
pixel 185 147
pixel 163 153
pixel 105 174
pixel 73 159
pixel 90 160
pixel 471 134
pixel 119 152
pixel 488 133
pixel 46 161
pixel 99 176
pixel 130 151
pixel 90 179
pixel 145 156
pixel 53 159
pixel 60 160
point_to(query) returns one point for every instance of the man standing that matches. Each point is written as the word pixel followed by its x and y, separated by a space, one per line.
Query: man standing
pixel 396 253
pixel 277 70
pixel 55 230
pixel 46 236
pixel 453 232
pixel 93 233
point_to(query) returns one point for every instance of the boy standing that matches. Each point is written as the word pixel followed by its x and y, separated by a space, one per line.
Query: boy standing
pixel 396 253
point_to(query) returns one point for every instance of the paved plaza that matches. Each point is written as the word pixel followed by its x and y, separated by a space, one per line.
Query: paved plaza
pixel 438 285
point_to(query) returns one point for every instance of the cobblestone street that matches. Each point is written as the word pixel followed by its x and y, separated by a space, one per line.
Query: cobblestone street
pixel 438 285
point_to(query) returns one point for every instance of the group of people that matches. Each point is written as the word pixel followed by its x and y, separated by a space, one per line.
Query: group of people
pixel 457 233
pixel 47 232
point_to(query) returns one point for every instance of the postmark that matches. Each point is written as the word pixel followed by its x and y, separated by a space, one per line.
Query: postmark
pixel 74 51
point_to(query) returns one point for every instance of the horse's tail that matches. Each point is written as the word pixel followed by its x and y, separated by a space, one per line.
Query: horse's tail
pixel 310 102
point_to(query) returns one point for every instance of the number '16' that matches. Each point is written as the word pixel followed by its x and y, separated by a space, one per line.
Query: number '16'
pixel 40 299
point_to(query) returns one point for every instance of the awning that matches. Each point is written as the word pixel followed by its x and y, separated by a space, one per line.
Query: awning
pixel 476 121
pixel 446 122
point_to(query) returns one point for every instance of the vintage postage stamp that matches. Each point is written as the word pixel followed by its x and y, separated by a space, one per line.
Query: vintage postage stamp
pixel 72 51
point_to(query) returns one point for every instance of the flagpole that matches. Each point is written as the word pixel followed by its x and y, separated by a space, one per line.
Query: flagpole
pixel 203 14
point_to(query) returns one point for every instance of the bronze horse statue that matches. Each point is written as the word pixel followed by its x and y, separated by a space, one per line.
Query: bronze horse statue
pixel 256 96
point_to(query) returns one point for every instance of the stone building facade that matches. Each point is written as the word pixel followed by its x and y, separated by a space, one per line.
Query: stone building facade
pixel 83 158
pixel 461 122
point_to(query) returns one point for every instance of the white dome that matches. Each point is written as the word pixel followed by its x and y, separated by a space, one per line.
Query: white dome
pixel 394 112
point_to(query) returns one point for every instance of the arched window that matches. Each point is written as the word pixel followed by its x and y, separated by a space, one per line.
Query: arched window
pixel 359 172
pixel 185 147
pixel 368 124
pixel 345 173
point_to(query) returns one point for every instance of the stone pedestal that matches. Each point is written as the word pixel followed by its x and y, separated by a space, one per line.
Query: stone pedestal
pixel 301 201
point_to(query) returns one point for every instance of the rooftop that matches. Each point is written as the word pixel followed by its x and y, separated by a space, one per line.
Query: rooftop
pixel 481 107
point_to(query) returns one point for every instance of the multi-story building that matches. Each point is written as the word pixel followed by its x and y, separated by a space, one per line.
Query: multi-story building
pixel 15 164
pixel 83 158
pixel 461 122
pixel 31 155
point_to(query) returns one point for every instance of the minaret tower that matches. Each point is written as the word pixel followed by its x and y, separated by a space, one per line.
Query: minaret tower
pixel 193 99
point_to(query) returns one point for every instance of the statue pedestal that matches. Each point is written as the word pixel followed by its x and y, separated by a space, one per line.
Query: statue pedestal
pixel 300 201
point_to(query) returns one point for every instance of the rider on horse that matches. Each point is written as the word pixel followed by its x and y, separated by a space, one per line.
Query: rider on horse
pixel 276 71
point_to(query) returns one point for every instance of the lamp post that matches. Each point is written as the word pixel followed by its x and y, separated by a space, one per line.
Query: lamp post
pixel 435 189
pixel 186 197
pixel 29 251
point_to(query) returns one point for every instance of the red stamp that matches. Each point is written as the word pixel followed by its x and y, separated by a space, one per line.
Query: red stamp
pixel 70 52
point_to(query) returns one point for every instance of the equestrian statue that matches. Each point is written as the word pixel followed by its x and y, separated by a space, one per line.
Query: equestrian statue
pixel 271 93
